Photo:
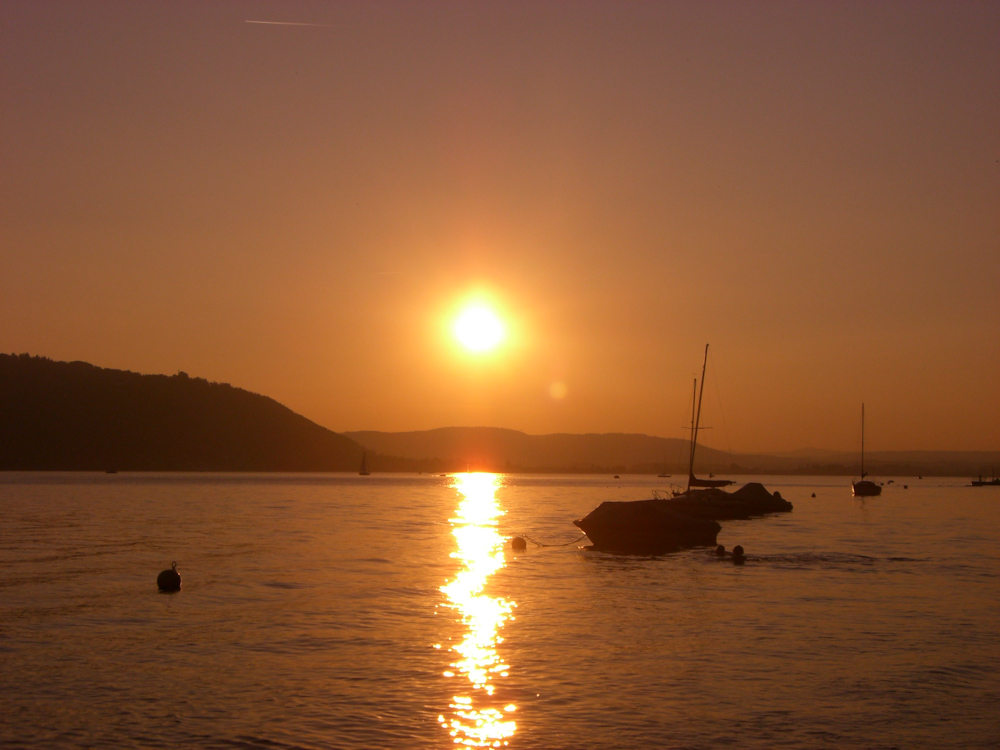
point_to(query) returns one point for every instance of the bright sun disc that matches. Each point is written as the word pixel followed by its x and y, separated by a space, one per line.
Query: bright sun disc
pixel 478 329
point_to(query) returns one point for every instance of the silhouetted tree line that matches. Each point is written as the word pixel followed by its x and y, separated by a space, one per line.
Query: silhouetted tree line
pixel 78 417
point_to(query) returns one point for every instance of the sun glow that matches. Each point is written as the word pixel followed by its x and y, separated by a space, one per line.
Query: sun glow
pixel 478 329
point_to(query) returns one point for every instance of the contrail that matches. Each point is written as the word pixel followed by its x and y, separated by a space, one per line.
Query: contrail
pixel 292 23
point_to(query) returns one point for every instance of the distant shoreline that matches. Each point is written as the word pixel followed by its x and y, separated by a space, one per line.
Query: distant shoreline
pixel 73 416
pixel 430 474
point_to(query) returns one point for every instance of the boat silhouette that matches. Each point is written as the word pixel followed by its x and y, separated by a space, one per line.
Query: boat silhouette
pixel 864 487
pixel 667 524
pixel 995 482
pixel 690 518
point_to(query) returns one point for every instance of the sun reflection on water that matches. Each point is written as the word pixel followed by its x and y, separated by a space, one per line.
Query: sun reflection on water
pixel 476 720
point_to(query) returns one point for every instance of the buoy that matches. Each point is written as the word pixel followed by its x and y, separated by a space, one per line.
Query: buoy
pixel 738 558
pixel 814 494
pixel 720 551
pixel 906 486
pixel 169 580
pixel 518 543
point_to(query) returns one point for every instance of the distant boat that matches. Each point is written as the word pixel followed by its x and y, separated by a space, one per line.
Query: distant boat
pixel 364 465
pixel 864 487
pixel 995 482
pixel 688 519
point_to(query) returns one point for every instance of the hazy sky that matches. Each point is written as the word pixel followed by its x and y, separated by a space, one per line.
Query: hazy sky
pixel 301 210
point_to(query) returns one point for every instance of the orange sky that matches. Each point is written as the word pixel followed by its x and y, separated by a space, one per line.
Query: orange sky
pixel 300 210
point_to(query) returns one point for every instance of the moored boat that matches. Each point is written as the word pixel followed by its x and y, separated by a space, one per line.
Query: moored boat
pixel 667 524
pixel 995 482
pixel 688 519
pixel 864 487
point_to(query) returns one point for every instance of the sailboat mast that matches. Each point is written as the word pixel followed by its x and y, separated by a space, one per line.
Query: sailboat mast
pixel 862 439
pixel 697 420
pixel 694 405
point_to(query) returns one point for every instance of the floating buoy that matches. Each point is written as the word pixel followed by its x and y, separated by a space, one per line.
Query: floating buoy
pixel 518 543
pixel 169 580
pixel 814 494
pixel 906 486
pixel 738 558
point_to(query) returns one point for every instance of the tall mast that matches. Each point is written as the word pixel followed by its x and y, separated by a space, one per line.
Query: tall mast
pixel 694 405
pixel 697 421
pixel 862 439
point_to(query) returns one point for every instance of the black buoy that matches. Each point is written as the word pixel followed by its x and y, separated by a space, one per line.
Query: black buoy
pixel 814 494
pixel 169 580
pixel 738 558
pixel 720 551
pixel 518 543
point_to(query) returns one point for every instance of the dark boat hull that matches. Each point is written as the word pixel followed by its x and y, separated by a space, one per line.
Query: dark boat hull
pixel 693 481
pixel 670 524
pixel 645 527
pixel 865 488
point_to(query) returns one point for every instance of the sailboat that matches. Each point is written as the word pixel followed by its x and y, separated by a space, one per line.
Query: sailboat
pixel 995 482
pixel 694 481
pixel 688 519
pixel 364 465
pixel 864 487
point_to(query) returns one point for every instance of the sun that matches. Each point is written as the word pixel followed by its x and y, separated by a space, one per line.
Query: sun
pixel 478 329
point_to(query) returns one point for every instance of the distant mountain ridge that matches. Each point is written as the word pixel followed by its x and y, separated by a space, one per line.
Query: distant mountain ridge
pixel 498 449
pixel 75 416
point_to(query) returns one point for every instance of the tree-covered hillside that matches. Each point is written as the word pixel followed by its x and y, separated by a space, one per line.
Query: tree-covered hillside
pixel 75 416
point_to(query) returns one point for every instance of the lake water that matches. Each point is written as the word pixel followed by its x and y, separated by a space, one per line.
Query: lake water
pixel 335 611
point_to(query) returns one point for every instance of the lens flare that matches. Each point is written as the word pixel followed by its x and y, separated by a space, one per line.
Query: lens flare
pixel 477 719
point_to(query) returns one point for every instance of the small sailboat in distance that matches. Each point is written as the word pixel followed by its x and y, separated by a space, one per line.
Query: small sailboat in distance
pixel 364 465
pixel 864 487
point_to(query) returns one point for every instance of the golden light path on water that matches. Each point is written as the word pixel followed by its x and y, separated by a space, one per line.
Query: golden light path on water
pixel 474 720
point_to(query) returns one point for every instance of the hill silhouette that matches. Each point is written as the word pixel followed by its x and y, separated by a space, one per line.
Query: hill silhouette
pixel 73 416
pixel 77 417
pixel 497 449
